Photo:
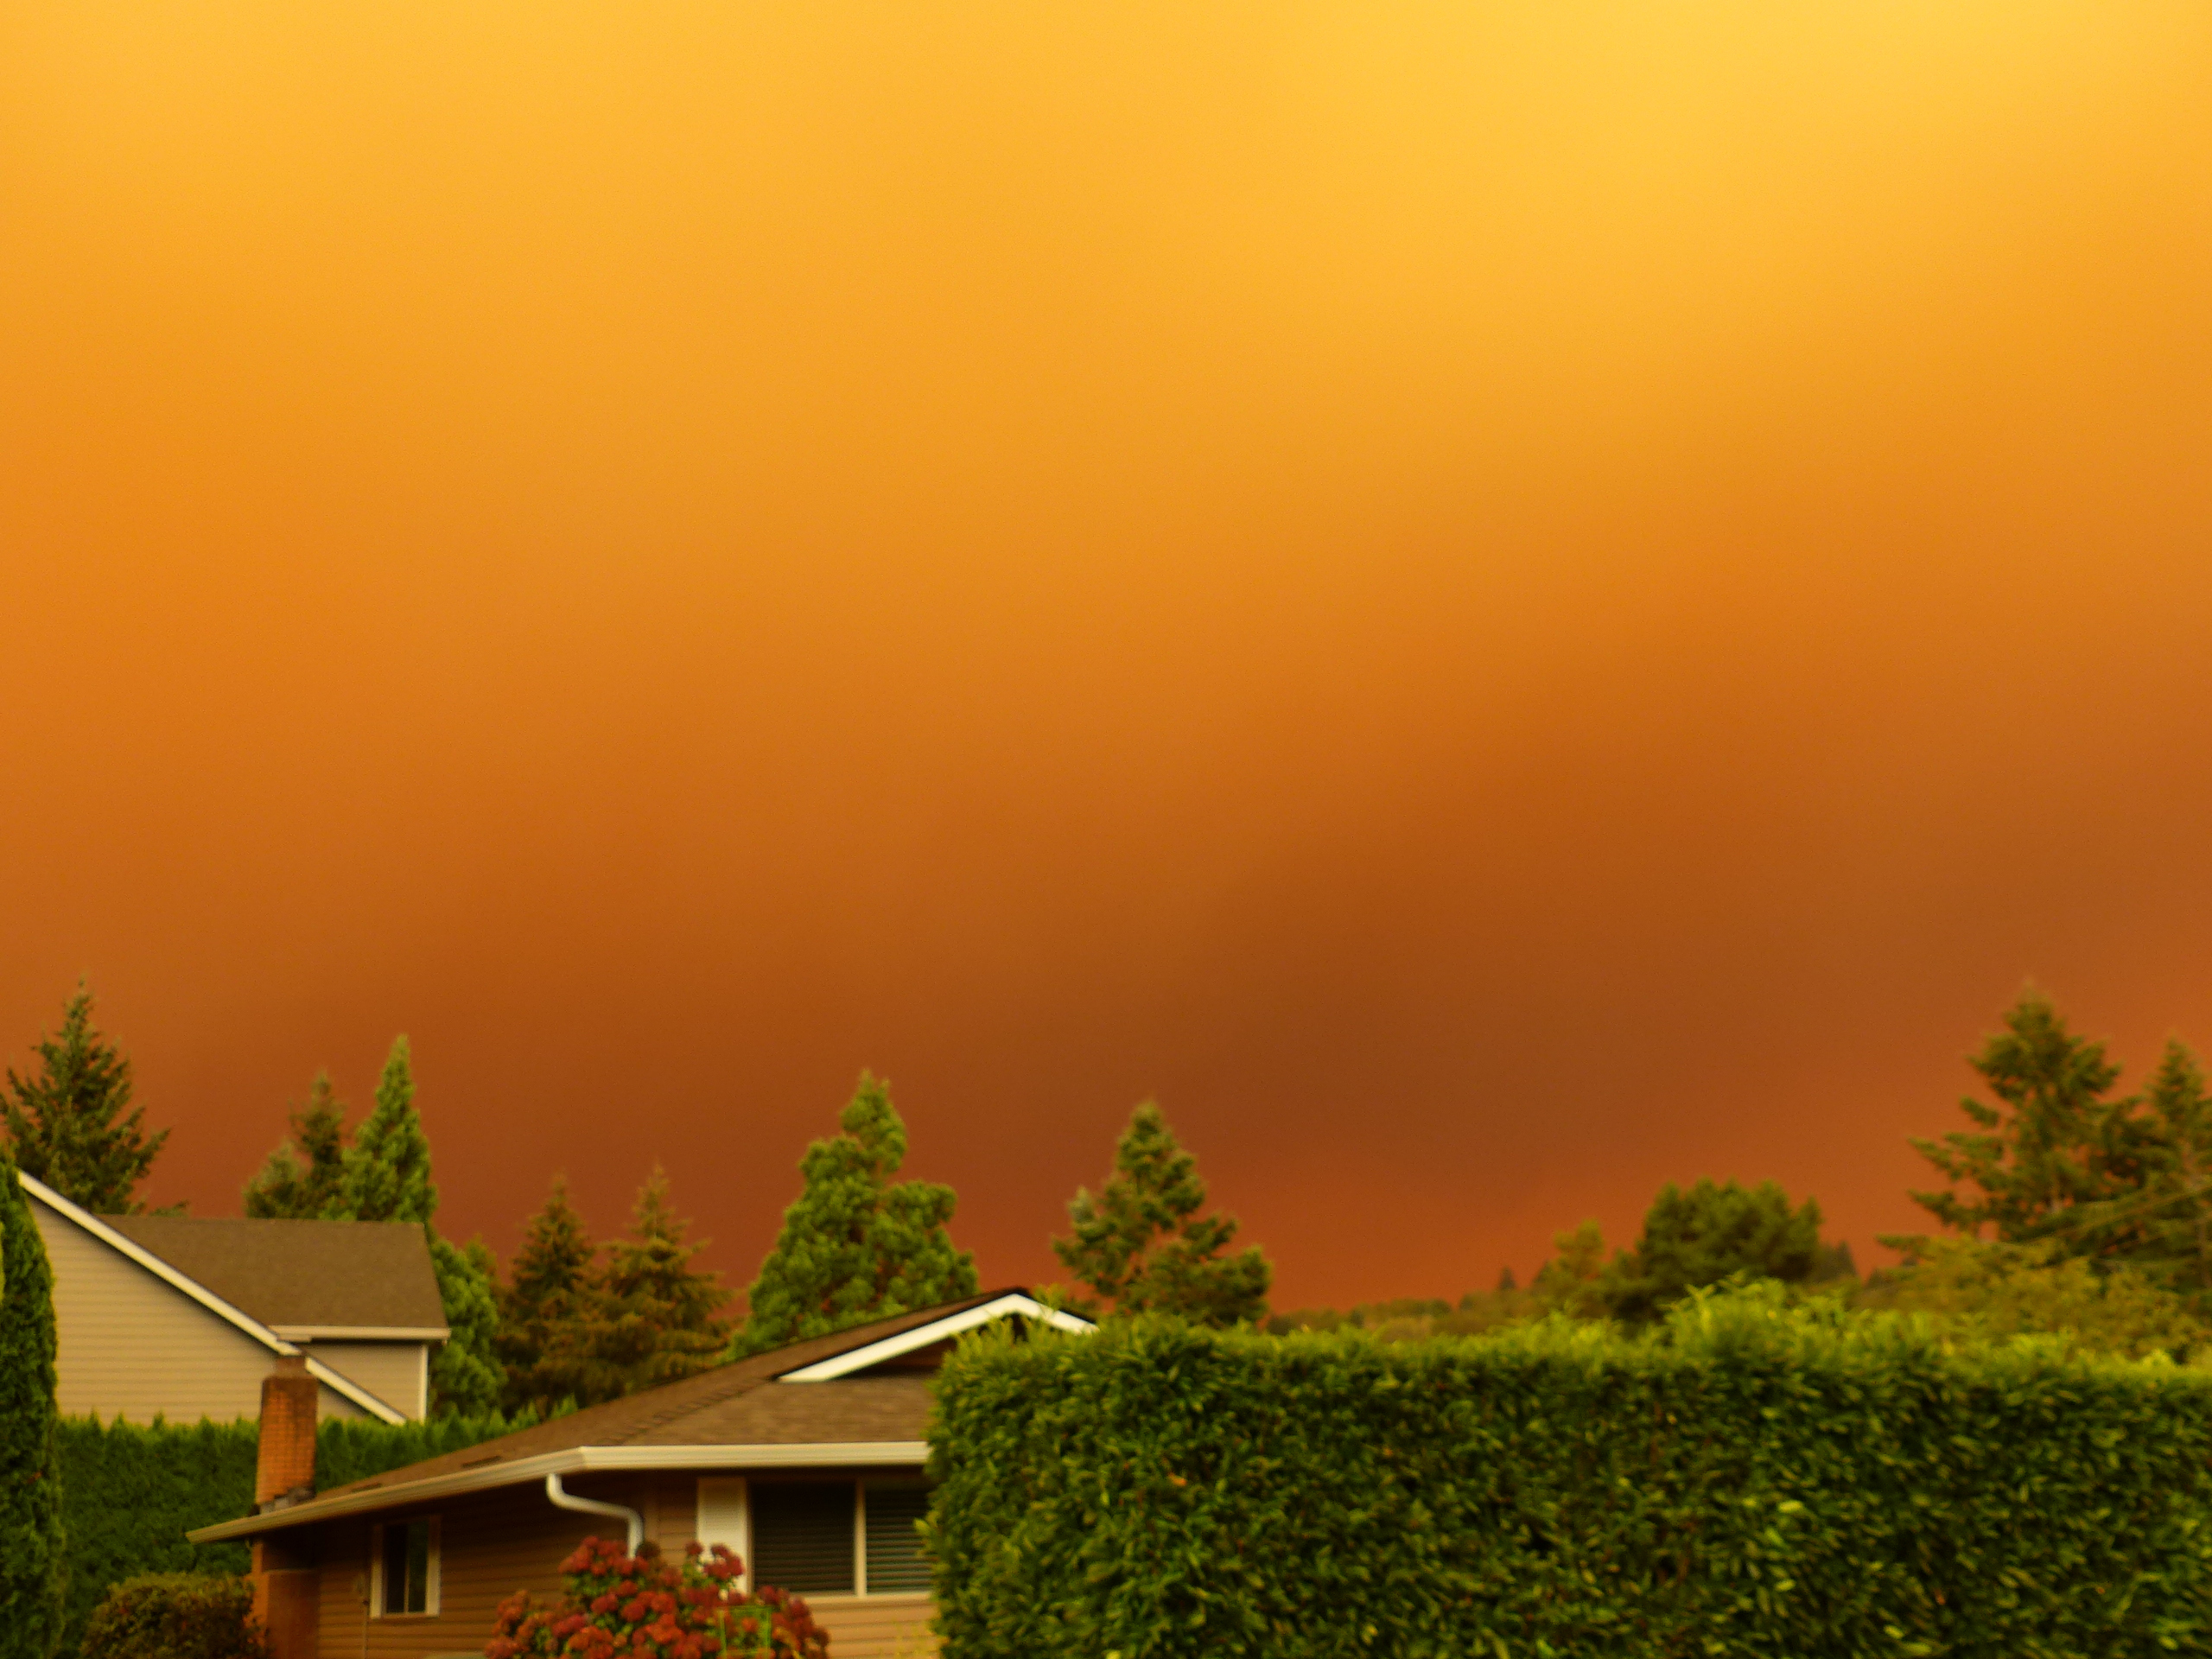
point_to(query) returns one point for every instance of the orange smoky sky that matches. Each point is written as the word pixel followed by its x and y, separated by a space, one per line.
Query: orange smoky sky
pixel 1499 604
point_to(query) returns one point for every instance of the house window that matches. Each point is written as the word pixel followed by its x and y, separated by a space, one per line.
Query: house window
pixel 892 1558
pixel 805 1536
pixel 404 1554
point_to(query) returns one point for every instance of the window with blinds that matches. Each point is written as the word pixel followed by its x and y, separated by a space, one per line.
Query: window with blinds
pixel 895 1562
pixel 804 1536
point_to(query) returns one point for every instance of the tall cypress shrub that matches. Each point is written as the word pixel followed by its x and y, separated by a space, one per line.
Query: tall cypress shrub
pixel 32 1580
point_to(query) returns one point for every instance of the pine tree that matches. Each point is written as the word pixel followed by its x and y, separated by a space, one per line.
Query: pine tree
pixel 659 1315
pixel 386 1176
pixel 2052 1143
pixel 33 1564
pixel 857 1245
pixel 1143 1246
pixel 73 1125
pixel 286 1189
pixel 385 1173
pixel 1709 1233
pixel 544 1309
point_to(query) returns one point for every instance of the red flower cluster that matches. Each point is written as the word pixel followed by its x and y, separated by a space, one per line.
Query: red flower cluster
pixel 616 1605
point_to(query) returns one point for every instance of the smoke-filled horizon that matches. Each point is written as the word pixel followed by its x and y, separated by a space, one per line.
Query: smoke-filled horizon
pixel 1497 606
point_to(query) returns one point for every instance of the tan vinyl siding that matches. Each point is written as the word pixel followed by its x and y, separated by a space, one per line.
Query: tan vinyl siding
pixel 492 1544
pixel 390 1370
pixel 131 1346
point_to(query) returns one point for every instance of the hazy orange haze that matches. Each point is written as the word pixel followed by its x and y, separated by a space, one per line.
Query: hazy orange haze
pixel 1499 603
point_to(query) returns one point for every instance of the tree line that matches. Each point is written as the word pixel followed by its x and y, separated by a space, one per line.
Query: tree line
pixel 575 1321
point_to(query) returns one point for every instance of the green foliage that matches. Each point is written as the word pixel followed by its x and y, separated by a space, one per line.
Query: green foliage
pixel 1573 1281
pixel 287 1190
pixel 385 1175
pixel 176 1615
pixel 1749 1478
pixel 857 1245
pixel 658 1317
pixel 132 1490
pixel 1990 1291
pixel 2046 1148
pixel 33 1567
pixel 1141 1246
pixel 1712 1232
pixel 544 1309
pixel 464 1371
pixel 73 1126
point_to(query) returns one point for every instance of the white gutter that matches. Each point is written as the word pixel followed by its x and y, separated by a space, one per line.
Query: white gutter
pixel 198 1293
pixel 562 1500
pixel 582 1460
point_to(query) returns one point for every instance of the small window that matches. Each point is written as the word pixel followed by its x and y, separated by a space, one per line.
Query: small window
pixel 802 1537
pixel 895 1562
pixel 407 1569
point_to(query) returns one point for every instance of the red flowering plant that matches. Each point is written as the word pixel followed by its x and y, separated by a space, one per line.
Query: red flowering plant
pixel 616 1605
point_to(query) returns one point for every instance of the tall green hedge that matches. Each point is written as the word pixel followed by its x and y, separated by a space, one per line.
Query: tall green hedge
pixel 1751 1480
pixel 132 1491
pixel 34 1560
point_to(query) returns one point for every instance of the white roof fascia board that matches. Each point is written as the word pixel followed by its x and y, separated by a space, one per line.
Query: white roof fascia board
pixel 354 1391
pixel 153 1264
pixel 206 1298
pixel 858 1359
pixel 582 1460
pixel 362 1332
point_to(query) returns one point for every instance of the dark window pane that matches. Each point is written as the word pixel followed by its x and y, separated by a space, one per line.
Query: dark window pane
pixel 802 1537
pixel 407 1567
pixel 894 1547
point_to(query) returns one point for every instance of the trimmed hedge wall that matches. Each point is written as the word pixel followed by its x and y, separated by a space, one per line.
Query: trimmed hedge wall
pixel 1751 1480
pixel 131 1491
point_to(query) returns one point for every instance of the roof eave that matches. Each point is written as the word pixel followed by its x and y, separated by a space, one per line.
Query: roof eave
pixel 582 1460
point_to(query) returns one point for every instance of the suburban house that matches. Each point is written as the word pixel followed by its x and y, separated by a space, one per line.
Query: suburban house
pixel 806 1461
pixel 181 1317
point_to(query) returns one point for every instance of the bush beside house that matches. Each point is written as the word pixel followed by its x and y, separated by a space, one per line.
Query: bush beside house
pixel 1751 1479
pixel 616 1605
pixel 176 1615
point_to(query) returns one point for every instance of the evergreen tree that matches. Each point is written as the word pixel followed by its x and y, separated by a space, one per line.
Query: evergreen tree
pixel 1709 1233
pixel 544 1310
pixel 33 1564
pixel 2159 1157
pixel 660 1317
pixel 465 1377
pixel 385 1173
pixel 857 1245
pixel 1143 1246
pixel 73 1125
pixel 287 1190
pixel 1573 1281
pixel 386 1176
pixel 2054 1141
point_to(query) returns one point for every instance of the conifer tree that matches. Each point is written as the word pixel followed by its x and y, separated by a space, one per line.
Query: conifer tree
pixel 33 1564
pixel 1708 1233
pixel 386 1176
pixel 857 1245
pixel 1143 1246
pixel 659 1317
pixel 544 1310
pixel 2053 1141
pixel 288 1189
pixel 72 1123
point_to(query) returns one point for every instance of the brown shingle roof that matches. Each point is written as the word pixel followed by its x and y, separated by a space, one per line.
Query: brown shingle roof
pixel 362 1274
pixel 728 1406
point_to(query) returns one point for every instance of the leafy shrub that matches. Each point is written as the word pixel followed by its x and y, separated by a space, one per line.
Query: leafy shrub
pixel 616 1605
pixel 176 1615
pixel 1752 1478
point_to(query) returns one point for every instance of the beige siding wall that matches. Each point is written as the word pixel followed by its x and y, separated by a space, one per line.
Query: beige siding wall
pixel 131 1345
pixel 390 1370
pixel 495 1543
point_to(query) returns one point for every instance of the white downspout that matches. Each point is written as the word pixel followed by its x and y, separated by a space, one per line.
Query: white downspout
pixel 562 1500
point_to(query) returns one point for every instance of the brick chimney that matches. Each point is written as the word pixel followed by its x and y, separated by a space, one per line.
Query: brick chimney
pixel 285 1579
